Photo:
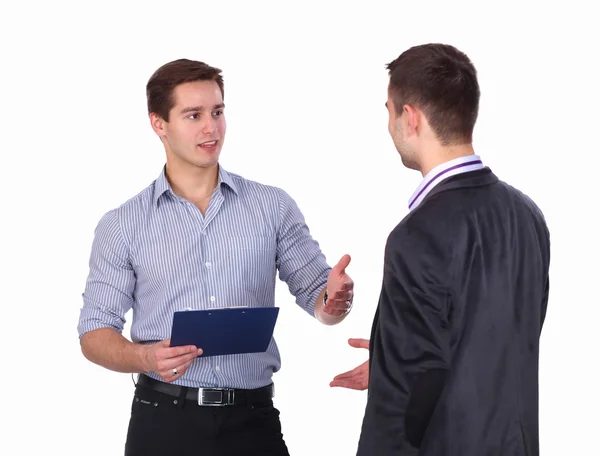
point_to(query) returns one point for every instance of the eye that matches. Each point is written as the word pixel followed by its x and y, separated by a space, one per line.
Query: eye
pixel 218 112
pixel 193 116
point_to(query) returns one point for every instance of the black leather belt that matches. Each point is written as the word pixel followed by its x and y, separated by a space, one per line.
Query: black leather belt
pixel 210 396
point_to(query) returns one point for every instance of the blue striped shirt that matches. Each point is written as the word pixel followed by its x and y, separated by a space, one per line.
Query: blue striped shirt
pixel 157 254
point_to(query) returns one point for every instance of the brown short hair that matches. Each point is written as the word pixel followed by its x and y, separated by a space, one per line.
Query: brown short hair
pixel 442 82
pixel 160 86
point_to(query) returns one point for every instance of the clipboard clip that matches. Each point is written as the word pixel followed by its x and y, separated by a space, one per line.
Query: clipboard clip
pixel 230 307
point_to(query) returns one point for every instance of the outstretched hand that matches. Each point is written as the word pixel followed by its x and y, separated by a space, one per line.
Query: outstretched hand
pixel 340 288
pixel 357 378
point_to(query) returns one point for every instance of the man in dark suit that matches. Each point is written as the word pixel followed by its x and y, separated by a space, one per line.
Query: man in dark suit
pixel 453 365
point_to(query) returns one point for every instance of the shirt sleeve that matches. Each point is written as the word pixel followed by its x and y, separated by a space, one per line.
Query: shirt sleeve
pixel 110 284
pixel 300 261
pixel 412 342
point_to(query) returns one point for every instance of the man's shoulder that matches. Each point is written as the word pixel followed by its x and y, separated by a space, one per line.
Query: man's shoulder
pixel 450 201
pixel 448 213
pixel 251 185
pixel 258 191
pixel 433 225
pixel 128 214
pixel 524 200
pixel 137 204
pixel 434 216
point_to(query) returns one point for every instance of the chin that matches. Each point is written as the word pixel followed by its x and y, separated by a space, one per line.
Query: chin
pixel 207 160
pixel 410 164
pixel 206 163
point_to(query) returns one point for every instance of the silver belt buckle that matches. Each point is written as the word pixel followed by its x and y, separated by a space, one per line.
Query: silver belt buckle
pixel 213 397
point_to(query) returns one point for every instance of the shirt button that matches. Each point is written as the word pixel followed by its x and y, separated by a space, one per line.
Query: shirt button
pixel 218 368
pixel 207 264
pixel 212 298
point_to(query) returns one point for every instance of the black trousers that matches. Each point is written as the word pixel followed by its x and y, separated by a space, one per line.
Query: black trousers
pixel 162 425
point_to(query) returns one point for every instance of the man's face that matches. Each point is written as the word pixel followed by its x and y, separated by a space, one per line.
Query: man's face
pixel 397 128
pixel 195 131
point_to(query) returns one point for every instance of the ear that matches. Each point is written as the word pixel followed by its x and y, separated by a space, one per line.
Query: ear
pixel 413 119
pixel 158 124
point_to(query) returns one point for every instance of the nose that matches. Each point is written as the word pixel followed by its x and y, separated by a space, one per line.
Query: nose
pixel 209 126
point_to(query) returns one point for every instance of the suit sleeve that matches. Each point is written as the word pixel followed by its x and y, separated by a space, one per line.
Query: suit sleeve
pixel 410 355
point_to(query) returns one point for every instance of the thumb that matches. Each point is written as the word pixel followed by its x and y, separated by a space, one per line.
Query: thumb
pixel 340 268
pixel 359 343
pixel 164 343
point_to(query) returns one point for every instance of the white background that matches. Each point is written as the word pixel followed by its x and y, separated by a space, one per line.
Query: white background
pixel 305 92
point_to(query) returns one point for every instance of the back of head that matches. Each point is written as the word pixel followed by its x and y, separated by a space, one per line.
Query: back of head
pixel 442 82
pixel 160 86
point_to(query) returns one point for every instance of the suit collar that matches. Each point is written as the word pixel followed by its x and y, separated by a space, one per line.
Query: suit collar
pixel 440 173
pixel 478 178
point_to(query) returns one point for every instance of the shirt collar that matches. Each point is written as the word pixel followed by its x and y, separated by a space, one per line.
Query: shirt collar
pixel 225 178
pixel 443 171
pixel 162 185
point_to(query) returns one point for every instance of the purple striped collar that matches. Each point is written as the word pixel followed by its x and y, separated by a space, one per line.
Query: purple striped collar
pixel 439 173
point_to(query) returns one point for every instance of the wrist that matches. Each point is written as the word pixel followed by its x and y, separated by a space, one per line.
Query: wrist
pixel 143 353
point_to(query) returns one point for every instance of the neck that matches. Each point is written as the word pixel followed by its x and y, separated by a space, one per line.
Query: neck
pixel 191 182
pixel 442 154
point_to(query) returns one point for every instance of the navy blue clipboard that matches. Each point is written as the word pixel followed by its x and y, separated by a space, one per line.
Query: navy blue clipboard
pixel 225 331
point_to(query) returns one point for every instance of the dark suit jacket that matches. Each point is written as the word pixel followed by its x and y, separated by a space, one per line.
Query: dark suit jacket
pixel 455 340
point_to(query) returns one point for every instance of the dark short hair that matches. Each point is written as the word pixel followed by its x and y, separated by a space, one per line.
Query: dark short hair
pixel 442 82
pixel 160 86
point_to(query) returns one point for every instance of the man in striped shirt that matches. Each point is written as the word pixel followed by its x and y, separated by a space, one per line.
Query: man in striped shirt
pixel 199 237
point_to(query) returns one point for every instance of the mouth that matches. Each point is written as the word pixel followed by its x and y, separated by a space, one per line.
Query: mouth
pixel 208 145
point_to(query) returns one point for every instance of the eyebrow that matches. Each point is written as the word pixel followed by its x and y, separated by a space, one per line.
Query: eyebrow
pixel 200 108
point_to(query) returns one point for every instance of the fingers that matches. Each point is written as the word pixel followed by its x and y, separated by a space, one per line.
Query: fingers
pixel 358 371
pixel 173 368
pixel 340 268
pixel 172 362
pixel 359 343
pixel 342 296
pixel 348 284
pixel 357 378
pixel 173 352
pixel 333 305
pixel 340 301
pixel 346 375
pixel 335 310
pixel 355 385
pixel 177 372
pixel 331 301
